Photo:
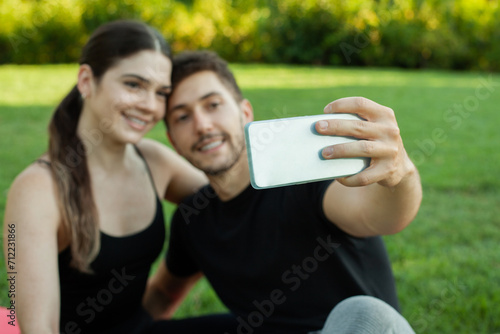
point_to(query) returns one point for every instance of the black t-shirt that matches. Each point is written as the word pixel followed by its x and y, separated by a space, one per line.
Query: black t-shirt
pixel 273 257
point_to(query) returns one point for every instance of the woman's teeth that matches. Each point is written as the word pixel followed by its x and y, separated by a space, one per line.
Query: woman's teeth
pixel 136 120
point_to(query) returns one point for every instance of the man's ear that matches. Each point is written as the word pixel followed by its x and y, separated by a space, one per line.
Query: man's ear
pixel 247 109
pixel 85 80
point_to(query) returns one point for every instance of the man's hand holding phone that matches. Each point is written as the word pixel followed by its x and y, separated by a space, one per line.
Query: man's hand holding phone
pixel 379 137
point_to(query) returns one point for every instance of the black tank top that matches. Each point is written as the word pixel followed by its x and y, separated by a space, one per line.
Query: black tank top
pixel 109 301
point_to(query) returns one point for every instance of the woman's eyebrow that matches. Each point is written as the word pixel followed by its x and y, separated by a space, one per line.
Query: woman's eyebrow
pixel 137 77
pixel 144 80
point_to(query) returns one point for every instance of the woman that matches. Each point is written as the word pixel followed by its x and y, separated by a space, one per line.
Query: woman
pixel 87 214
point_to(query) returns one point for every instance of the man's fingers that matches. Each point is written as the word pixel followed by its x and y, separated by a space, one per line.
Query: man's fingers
pixel 361 106
pixel 368 176
pixel 358 149
pixel 384 174
pixel 379 139
pixel 361 179
pixel 351 128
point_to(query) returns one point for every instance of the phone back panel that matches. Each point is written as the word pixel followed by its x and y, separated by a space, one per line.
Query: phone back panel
pixel 288 151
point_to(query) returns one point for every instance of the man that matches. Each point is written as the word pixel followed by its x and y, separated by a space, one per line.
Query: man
pixel 281 259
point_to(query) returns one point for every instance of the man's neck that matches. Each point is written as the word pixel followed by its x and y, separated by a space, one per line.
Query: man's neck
pixel 231 183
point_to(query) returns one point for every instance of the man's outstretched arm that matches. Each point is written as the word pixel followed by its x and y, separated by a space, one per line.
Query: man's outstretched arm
pixel 385 197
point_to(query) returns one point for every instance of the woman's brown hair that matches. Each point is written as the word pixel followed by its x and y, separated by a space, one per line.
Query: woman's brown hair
pixel 109 44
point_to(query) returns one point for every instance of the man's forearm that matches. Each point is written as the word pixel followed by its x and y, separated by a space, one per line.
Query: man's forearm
pixel 389 210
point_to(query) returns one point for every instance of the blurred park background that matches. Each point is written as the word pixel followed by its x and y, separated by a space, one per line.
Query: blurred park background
pixel 434 62
pixel 444 34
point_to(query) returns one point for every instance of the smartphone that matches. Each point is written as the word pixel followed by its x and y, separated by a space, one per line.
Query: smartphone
pixel 288 151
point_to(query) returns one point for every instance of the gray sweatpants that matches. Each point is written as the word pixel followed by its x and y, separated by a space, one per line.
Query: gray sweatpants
pixel 365 315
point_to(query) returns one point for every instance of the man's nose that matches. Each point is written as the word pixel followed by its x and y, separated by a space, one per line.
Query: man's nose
pixel 203 121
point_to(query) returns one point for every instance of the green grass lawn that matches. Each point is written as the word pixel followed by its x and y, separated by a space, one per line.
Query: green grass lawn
pixel 446 263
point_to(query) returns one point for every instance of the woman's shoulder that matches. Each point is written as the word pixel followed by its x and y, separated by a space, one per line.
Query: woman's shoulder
pixel 177 177
pixel 35 176
pixel 32 196
pixel 156 153
pixel 148 145
pixel 159 159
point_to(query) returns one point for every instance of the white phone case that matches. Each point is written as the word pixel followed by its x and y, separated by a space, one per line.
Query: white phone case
pixel 288 151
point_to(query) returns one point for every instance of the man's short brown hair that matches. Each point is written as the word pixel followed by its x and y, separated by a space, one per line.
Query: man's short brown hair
pixel 188 63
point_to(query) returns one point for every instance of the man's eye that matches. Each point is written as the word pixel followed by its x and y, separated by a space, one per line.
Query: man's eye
pixel 132 84
pixel 213 105
pixel 182 118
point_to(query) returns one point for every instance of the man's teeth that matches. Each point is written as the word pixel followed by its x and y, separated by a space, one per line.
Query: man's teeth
pixel 211 145
pixel 136 120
